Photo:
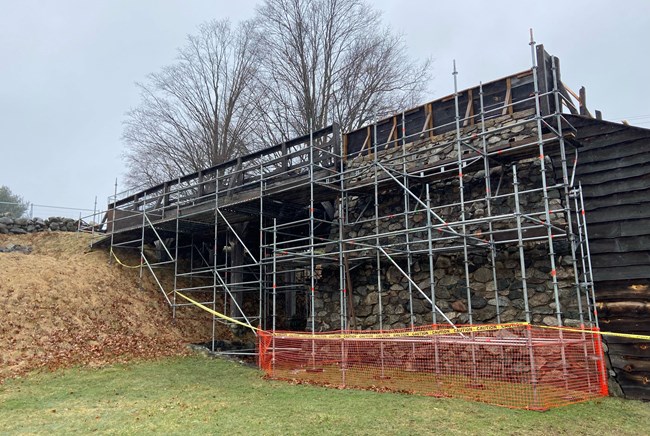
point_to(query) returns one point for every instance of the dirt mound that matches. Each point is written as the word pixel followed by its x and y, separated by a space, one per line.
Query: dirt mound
pixel 64 304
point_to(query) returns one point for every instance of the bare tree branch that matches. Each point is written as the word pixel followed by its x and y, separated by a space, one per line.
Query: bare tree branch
pixel 197 112
pixel 332 61
pixel 300 65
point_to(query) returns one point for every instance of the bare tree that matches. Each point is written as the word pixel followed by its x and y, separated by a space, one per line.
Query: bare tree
pixel 331 61
pixel 197 112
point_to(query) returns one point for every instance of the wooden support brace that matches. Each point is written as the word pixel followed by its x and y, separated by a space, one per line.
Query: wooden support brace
pixel 507 102
pixel 392 132
pixel 469 112
pixel 429 109
pixel 426 123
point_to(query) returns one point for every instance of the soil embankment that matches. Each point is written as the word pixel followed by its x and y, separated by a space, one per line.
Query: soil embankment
pixel 63 305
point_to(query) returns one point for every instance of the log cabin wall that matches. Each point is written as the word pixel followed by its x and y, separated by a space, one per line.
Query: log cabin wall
pixel 614 170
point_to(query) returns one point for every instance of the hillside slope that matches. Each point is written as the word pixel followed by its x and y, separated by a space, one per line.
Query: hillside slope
pixel 63 305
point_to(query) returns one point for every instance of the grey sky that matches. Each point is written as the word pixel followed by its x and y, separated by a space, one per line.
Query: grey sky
pixel 68 67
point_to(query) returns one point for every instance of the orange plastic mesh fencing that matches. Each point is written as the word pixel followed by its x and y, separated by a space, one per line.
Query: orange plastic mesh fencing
pixel 518 366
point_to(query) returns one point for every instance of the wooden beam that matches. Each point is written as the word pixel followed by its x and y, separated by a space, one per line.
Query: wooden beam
pixel 507 102
pixel 469 111
pixel 430 117
pixel 542 80
pixel 390 135
pixel 583 103
pixel 395 133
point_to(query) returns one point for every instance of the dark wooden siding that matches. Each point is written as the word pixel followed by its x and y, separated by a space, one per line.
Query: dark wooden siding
pixel 614 169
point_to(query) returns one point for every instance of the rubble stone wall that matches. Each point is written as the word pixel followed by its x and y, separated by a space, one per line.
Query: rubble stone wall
pixel 33 225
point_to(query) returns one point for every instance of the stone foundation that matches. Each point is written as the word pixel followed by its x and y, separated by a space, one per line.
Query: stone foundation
pixel 34 225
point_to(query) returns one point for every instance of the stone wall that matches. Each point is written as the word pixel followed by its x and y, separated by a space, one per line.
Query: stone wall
pixel 33 225
pixel 449 282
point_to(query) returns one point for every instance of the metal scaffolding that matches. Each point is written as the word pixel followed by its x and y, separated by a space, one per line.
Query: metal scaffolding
pixel 254 237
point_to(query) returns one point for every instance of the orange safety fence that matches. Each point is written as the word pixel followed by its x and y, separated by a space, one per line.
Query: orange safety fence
pixel 513 365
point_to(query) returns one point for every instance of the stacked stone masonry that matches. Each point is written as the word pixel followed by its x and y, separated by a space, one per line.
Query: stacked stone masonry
pixel 34 225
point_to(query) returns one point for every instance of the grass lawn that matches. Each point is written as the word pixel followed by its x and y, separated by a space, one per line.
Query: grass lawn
pixel 199 395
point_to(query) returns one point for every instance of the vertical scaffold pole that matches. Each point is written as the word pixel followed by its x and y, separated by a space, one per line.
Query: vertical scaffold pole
pixel 342 296
pixel 590 283
pixel 432 279
pixel 524 283
pixel 311 233
pixel 547 213
pixel 543 171
pixel 214 255
pixel 583 255
pixel 375 151
pixel 112 223
pixel 312 272
pixel 144 204
pixel 566 190
pixel 261 251
pixel 94 223
pixel 343 265
pixel 178 211
pixel 461 189
pixel 566 209
pixel 407 211
pixel 342 284
pixel 275 242
pixel 488 204
pixel 520 243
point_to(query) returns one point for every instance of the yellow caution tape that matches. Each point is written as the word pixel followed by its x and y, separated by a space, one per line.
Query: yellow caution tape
pixel 217 314
pixel 120 262
pixel 416 333
pixel 597 332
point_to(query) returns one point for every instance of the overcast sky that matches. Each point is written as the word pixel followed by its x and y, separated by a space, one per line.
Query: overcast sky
pixel 68 68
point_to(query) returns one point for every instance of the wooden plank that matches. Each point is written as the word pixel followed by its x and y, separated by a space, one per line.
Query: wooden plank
pixel 616 229
pixel 614 163
pixel 630 364
pixel 606 134
pixel 609 188
pixel 616 174
pixel 624 293
pixel 604 260
pixel 627 347
pixel 636 211
pixel 469 111
pixel 621 273
pixel 620 245
pixel 615 150
pixel 431 120
pixel 507 102
pixel 618 199
pixel 637 380
pixel 542 79
pixel 617 309
pixel 427 122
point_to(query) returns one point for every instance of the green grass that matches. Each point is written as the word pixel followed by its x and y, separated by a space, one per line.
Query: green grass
pixel 198 395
